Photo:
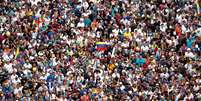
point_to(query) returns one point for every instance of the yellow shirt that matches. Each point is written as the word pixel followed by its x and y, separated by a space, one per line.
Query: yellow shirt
pixel 111 67
pixel 127 34
pixel 29 13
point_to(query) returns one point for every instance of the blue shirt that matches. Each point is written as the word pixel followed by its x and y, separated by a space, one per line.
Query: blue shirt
pixel 140 61
pixel 51 78
pixel 190 41
pixel 113 12
pixel 87 22
pixel 50 33
pixel 6 89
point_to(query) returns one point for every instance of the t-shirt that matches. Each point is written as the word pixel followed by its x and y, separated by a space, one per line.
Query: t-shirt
pixel 9 67
pixel 140 61
pixel 87 22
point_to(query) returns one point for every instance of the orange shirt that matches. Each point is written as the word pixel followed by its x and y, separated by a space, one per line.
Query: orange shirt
pixel 178 30
pixel 111 67
pixel 85 98
pixel 94 24
pixel 6 50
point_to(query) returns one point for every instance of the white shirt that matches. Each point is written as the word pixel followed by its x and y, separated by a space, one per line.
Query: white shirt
pixel 85 5
pixel 28 65
pixel 189 54
pixel 34 2
pixel 145 48
pixel 9 67
pixel 54 62
pixel 26 72
pixel 183 28
pixel 18 90
pixel 169 42
pixel 80 24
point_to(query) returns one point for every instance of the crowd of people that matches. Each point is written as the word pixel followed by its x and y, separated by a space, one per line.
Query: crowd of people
pixel 100 50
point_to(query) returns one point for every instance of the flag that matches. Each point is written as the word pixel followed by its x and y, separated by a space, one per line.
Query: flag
pixel 197 2
pixel 42 18
pixel 101 46
pixel 113 51
pixel 52 9
pixel 17 52
pixel 34 22
pixel 59 8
